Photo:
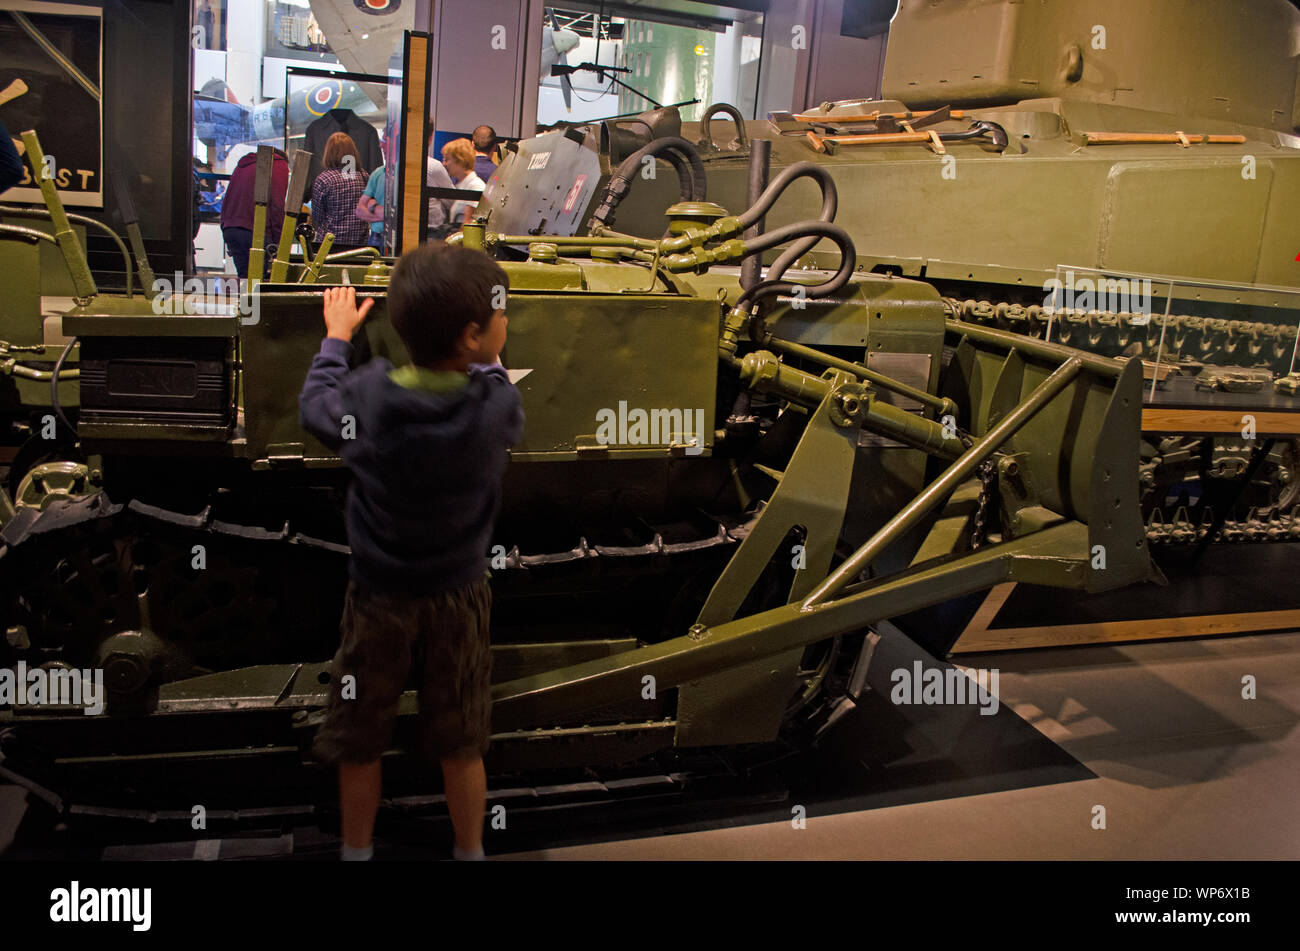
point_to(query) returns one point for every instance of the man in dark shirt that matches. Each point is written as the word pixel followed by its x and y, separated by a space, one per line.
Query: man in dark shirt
pixel 485 146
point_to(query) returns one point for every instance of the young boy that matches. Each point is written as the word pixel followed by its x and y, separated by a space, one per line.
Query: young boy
pixel 427 445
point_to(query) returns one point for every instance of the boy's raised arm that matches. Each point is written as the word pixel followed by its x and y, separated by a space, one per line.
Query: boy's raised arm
pixel 508 395
pixel 320 408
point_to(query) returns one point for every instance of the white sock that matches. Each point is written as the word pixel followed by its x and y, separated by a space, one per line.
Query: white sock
pixel 352 854
pixel 475 856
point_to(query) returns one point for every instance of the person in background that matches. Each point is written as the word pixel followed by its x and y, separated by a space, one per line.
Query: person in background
pixel 237 207
pixel 436 176
pixel 370 207
pixel 335 193
pixel 11 164
pixel 458 157
pixel 206 19
pixel 485 151
pixel 196 220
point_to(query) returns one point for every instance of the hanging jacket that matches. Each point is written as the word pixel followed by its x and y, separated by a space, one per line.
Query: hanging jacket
pixel 363 136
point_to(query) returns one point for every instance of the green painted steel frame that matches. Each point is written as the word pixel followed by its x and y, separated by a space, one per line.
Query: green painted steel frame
pixel 1093 399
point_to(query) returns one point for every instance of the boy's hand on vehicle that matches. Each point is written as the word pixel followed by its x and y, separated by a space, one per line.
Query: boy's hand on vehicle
pixel 342 316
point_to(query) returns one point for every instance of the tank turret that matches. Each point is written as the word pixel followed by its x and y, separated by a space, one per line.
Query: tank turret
pixel 1204 59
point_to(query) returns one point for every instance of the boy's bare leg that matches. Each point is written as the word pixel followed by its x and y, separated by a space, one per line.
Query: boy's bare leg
pixel 465 783
pixel 359 788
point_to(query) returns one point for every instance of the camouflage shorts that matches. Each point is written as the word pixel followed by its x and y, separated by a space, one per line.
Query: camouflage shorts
pixel 437 644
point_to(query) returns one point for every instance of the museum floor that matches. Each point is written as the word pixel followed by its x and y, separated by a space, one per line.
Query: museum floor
pixel 1185 767
pixel 1158 733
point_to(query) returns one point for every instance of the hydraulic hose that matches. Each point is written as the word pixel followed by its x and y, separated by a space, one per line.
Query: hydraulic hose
pixel 34 235
pixel 685 178
pixel 760 166
pixel 80 219
pixel 811 231
pixel 54 384
pixel 678 151
pixel 830 197
pixel 830 204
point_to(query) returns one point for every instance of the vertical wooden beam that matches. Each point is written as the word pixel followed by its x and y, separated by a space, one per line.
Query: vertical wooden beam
pixel 415 121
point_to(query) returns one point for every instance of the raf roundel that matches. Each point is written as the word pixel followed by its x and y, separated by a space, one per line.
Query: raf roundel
pixel 324 97
pixel 378 8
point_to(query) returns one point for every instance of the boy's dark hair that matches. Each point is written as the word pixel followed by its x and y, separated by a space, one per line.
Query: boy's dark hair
pixel 436 291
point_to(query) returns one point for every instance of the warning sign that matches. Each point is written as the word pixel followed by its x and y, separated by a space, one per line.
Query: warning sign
pixel 572 198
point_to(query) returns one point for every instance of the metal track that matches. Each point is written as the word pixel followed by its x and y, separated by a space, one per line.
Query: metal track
pixel 1241 342
pixel 68 577
pixel 31 522
pixel 1180 530
pixel 1099 331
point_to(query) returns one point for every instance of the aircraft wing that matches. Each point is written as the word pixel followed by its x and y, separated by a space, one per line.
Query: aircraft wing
pixel 345 22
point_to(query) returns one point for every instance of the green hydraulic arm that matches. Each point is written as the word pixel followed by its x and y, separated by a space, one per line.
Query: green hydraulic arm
pixel 126 207
pixel 261 198
pixel 310 275
pixel 82 282
pixel 292 210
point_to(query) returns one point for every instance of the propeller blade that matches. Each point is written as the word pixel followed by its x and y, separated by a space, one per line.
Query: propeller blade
pixel 566 85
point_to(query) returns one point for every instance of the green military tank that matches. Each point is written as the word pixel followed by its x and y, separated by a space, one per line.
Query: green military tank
pixel 723 482
pixel 1116 177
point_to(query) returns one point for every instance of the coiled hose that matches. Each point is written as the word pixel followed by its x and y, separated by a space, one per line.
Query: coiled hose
pixel 44 214
pixel 810 232
pixel 787 175
pixel 685 160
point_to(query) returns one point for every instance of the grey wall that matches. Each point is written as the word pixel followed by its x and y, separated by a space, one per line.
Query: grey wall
pixel 475 83
pixel 843 67
pixel 783 71
pixel 829 66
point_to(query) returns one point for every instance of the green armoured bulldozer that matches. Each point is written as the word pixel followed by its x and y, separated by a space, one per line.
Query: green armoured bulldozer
pixel 1114 176
pixel 724 481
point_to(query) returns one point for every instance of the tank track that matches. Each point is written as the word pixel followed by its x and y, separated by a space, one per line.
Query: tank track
pixel 71 573
pixel 1200 338
pixel 1180 530
pixel 31 522
pixel 1204 339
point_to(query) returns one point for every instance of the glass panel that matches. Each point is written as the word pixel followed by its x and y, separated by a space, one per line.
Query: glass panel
pixel 655 62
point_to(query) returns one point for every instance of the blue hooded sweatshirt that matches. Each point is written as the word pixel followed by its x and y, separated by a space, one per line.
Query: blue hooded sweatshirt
pixel 427 460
